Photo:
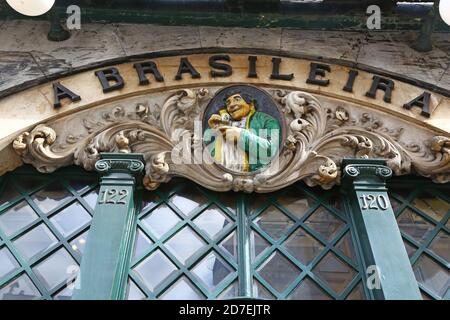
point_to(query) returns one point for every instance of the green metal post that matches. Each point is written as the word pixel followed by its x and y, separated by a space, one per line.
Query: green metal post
pixel 245 269
pixel 105 260
pixel 388 270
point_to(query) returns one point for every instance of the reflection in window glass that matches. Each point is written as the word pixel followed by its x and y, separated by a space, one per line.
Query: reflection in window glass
pixel 155 269
pixel 50 197
pixel 56 269
pixel 35 242
pixel 7 262
pixel 212 221
pixel 212 270
pixel 432 275
pixel 70 219
pixel 160 220
pixel 185 244
pixel 79 242
pixel 427 242
pixel 278 271
pixel 19 289
pixel 16 218
pixel 182 290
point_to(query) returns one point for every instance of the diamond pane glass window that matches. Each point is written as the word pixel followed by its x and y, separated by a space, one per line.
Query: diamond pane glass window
pixel 35 242
pixel 336 273
pixel 19 289
pixel 184 244
pixel 133 292
pixel 279 272
pixel 280 255
pixel 424 224
pixel 296 202
pixel 212 270
pixel 46 235
pixel 182 290
pixel 91 198
pixel 230 244
pixel 432 276
pixel 161 220
pixel 7 262
pixel 71 219
pixel 324 223
pixel 191 243
pixel 155 269
pixel 190 220
pixel 54 270
pixel 16 218
pixel 303 246
pixel 141 244
pixel 440 245
pixel 414 225
pixel 308 290
pixel 433 206
pixel 50 197
pixel 187 200
pixel 274 222
pixel 212 221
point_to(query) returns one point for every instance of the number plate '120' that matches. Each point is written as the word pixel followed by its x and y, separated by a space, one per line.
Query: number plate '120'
pixel 113 196
pixel 376 202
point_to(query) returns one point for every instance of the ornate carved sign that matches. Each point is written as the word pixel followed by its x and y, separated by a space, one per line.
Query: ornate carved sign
pixel 230 121
pixel 315 134
pixel 112 80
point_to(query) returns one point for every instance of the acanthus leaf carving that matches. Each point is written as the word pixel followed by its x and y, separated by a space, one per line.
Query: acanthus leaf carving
pixel 317 139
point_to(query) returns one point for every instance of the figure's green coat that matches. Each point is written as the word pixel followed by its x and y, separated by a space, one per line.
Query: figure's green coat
pixel 260 149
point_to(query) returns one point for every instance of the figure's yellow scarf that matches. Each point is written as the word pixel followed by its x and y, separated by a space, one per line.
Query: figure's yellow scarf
pixel 218 142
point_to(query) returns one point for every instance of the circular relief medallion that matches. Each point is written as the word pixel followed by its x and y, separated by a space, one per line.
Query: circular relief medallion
pixel 242 128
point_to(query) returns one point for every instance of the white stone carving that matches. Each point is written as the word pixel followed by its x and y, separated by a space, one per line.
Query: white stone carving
pixel 317 139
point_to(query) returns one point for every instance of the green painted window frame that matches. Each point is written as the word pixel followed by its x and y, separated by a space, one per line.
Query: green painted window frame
pixel 419 186
pixel 243 223
pixel 61 176
pixel 158 243
pixel 329 245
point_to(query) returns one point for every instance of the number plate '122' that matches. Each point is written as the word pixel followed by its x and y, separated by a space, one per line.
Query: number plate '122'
pixel 113 196
pixel 377 202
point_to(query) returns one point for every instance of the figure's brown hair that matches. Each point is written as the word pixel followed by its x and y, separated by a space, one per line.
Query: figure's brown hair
pixel 247 98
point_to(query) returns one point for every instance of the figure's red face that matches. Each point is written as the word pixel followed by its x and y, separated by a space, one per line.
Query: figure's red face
pixel 237 107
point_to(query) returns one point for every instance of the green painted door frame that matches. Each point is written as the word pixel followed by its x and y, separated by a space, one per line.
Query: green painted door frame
pixel 388 269
pixel 107 253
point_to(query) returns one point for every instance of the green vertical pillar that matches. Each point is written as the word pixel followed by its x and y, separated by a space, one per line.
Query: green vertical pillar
pixel 388 269
pixel 244 249
pixel 105 259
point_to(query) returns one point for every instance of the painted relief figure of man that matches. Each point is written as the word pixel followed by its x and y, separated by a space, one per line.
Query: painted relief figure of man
pixel 246 139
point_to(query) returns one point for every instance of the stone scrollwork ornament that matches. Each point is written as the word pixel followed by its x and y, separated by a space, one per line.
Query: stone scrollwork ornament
pixel 316 140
